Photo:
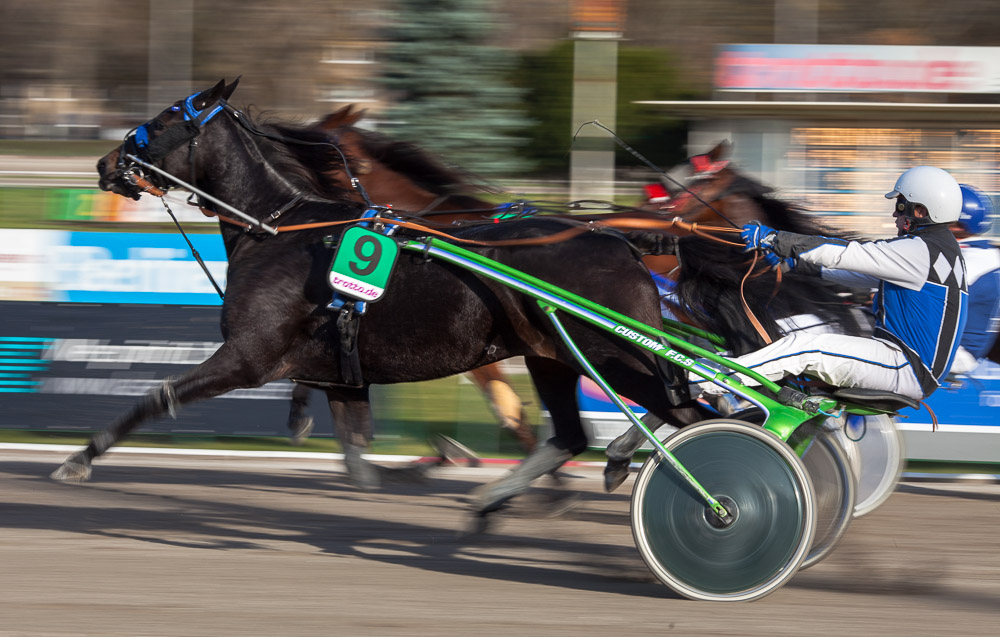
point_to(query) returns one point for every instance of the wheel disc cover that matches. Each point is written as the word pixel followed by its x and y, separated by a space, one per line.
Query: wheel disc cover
pixel 878 459
pixel 747 554
pixel 833 483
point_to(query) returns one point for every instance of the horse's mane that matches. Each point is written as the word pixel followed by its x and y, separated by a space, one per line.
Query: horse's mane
pixel 301 154
pixel 708 286
pixel 420 166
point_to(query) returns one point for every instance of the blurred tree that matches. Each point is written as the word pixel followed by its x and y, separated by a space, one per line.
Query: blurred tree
pixel 643 74
pixel 447 88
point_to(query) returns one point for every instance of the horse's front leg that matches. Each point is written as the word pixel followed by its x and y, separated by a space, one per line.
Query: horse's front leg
pixel 352 421
pixel 224 371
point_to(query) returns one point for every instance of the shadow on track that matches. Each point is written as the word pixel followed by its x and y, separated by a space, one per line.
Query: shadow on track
pixel 235 509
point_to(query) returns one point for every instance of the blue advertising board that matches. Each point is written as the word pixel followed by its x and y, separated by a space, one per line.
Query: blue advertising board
pixel 118 267
pixel 109 267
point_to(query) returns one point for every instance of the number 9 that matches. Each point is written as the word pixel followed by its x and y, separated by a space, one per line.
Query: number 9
pixel 368 262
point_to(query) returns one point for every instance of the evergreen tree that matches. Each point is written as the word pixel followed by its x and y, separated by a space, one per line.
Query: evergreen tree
pixel 448 87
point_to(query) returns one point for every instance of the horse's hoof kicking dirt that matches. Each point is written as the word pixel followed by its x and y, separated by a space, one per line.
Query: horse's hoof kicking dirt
pixel 72 471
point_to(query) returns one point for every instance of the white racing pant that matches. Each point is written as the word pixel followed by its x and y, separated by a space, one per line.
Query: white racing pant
pixel 837 359
pixel 964 362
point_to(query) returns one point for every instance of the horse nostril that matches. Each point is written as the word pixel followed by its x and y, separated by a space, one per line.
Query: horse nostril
pixel 101 165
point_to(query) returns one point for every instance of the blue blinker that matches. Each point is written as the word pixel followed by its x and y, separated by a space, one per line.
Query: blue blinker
pixel 198 117
pixel 142 136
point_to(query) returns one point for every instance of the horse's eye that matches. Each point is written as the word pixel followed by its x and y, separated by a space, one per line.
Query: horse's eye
pixel 158 125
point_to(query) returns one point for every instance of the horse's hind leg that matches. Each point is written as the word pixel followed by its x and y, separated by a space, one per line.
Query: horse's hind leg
pixel 506 403
pixel 622 448
pixel 217 375
pixel 556 385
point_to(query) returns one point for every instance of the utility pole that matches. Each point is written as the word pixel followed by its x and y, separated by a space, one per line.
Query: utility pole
pixel 597 29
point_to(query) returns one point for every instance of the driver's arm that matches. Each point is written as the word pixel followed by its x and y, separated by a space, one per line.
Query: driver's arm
pixel 904 261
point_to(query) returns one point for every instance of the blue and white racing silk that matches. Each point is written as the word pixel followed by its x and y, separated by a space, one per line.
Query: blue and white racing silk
pixel 668 295
pixel 982 263
pixel 921 301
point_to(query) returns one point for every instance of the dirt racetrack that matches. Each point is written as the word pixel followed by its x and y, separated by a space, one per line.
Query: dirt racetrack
pixel 158 545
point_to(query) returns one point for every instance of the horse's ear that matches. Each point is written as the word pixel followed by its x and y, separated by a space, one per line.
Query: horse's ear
pixel 721 151
pixel 357 116
pixel 711 162
pixel 210 96
pixel 342 117
pixel 334 119
pixel 230 88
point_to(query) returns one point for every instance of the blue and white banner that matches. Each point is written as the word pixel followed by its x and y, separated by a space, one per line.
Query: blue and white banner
pixel 109 267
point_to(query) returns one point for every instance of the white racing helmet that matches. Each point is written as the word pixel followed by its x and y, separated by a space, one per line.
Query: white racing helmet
pixel 932 188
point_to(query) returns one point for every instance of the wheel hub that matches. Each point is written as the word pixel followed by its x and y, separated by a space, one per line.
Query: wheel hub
pixel 717 522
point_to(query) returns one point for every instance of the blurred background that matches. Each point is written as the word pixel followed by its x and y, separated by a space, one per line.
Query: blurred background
pixel 826 100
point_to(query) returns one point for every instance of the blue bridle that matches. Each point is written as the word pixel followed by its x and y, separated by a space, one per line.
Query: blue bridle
pixel 151 149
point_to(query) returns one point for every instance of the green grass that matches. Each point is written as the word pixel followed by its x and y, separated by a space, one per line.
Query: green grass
pixel 406 416
pixel 57 148
pixel 927 466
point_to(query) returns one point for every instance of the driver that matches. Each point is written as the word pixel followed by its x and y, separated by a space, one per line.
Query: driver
pixel 982 262
pixel 920 305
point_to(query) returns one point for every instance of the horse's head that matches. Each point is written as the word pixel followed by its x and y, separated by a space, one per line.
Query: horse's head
pixel 162 141
pixel 707 189
pixel 340 126
pixel 395 173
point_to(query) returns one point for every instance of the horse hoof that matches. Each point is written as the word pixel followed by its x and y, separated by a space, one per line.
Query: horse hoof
pixel 74 469
pixel 479 525
pixel 301 429
pixel 413 472
pixel 562 504
pixel 489 498
pixel 615 473
pixel 451 450
pixel 367 483
pixel 363 474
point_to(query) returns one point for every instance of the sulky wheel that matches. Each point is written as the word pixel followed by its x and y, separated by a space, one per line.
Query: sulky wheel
pixel 875 448
pixel 834 482
pixel 758 478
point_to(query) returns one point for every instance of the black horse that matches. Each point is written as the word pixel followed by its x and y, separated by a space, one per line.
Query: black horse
pixel 416 184
pixel 718 287
pixel 436 320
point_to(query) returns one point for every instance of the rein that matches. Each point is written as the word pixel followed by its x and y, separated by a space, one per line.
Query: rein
pixel 656 168
pixel 615 221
